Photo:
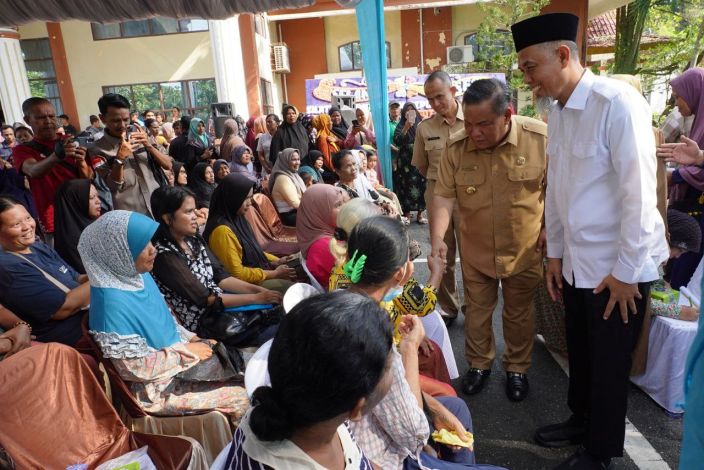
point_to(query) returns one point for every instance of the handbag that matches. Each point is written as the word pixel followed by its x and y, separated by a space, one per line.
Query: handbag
pixel 229 359
pixel 238 328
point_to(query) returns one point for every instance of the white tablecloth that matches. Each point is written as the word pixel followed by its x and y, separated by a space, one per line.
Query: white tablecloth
pixel 668 346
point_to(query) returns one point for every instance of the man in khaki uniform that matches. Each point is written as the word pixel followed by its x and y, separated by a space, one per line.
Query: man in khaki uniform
pixel 495 170
pixel 431 139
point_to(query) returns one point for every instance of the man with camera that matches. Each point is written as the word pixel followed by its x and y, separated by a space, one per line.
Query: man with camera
pixel 47 160
pixel 136 166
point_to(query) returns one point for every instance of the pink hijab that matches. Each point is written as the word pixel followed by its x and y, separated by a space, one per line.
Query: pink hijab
pixel 690 87
pixel 315 218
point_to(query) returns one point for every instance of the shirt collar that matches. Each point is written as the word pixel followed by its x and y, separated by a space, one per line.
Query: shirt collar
pixel 460 114
pixel 578 98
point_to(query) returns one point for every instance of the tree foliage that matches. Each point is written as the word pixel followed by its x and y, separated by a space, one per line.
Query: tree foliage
pixel 630 22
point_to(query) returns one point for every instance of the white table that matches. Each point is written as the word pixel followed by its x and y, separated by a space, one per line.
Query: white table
pixel 668 345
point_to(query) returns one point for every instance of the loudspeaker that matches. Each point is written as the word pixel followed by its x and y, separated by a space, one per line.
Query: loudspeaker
pixel 222 109
pixel 219 125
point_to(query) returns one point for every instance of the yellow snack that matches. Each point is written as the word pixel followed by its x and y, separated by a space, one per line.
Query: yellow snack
pixel 450 438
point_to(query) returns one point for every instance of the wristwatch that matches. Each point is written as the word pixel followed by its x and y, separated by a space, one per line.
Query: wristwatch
pixel 118 162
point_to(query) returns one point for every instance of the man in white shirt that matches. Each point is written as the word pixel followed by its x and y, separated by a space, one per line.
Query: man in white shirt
pixel 605 236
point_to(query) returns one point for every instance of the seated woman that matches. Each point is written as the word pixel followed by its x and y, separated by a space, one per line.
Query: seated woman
pixel 347 168
pixel 241 162
pixel 329 364
pixel 180 174
pixel 315 228
pixel 191 278
pixel 202 183
pixel 76 206
pixel 230 237
pixel 313 163
pixel 35 283
pixel 378 264
pixel 133 327
pixel 220 169
pixel 286 186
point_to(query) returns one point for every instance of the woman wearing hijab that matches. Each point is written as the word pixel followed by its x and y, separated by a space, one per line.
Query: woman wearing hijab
pixel 688 181
pixel 290 134
pixel 314 163
pixel 315 228
pixel 202 182
pixel 339 127
pixel 232 240
pixel 76 206
pixel 251 135
pixel 361 132
pixel 230 138
pixel 286 185
pixel 408 182
pixel 133 327
pixel 220 169
pixel 199 146
pixel 180 174
pixel 327 143
pixel 241 162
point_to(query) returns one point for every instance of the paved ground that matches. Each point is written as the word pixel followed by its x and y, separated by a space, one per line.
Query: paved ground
pixel 504 429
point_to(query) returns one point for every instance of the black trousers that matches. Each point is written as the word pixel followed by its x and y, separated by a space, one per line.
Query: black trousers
pixel 600 361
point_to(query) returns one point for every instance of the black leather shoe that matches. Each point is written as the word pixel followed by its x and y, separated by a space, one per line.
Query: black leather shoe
pixel 473 381
pixel 563 434
pixel 583 460
pixel 516 386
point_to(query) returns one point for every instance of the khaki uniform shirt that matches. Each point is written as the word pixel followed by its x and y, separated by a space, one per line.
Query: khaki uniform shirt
pixel 500 193
pixel 135 191
pixel 431 139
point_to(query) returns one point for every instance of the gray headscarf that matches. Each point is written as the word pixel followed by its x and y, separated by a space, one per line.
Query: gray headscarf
pixel 281 167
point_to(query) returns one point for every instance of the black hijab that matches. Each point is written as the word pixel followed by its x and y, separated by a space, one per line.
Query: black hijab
pixel 310 160
pixel 289 136
pixel 202 189
pixel 411 134
pixel 176 168
pixel 227 199
pixel 71 218
pixel 340 130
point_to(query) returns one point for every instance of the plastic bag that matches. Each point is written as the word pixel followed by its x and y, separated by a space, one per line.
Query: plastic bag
pixel 135 460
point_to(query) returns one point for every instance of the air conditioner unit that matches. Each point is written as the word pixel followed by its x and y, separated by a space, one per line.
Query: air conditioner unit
pixel 460 54
pixel 279 58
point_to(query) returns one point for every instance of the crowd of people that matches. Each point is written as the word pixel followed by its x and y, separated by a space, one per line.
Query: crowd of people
pixel 167 251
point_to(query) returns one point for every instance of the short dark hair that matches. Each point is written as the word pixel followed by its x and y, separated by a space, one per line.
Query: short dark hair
pixel 64 116
pixel 144 114
pixel 329 352
pixel 394 105
pixel 185 122
pixel 6 126
pixel 93 118
pixel 488 89
pixel 159 113
pixel 441 75
pixel 275 117
pixel 148 122
pixel 176 108
pixel 176 124
pixel 337 158
pixel 112 100
pixel 384 241
pixel 30 103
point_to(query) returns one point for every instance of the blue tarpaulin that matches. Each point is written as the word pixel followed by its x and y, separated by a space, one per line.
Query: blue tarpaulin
pixel 370 22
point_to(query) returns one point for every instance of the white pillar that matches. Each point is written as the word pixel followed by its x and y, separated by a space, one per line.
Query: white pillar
pixel 14 86
pixel 227 61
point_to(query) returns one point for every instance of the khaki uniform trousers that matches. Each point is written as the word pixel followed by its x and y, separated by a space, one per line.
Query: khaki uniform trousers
pixel 448 297
pixel 481 297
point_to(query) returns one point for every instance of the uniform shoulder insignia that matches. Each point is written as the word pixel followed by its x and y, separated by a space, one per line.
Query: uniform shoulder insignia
pixel 534 125
pixel 456 136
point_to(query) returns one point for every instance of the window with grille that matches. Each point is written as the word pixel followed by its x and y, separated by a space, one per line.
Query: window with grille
pixel 351 56
pixel 40 71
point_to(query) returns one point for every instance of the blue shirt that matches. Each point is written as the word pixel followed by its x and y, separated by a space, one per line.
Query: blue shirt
pixel 32 297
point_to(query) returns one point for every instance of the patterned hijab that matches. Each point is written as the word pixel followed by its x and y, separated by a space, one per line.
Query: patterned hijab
pixel 123 301
pixel 281 168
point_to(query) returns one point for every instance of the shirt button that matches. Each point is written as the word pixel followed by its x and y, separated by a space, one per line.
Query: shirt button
pixel 471 190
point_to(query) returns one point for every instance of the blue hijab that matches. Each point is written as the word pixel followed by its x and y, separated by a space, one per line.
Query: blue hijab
pixel 122 300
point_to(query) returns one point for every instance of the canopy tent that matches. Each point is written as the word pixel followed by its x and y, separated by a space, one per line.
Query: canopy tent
pixel 17 12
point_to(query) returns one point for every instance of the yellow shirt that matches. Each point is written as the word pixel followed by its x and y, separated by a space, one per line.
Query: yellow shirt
pixel 224 244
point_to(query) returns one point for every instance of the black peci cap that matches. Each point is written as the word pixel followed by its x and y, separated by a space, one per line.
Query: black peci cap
pixel 545 28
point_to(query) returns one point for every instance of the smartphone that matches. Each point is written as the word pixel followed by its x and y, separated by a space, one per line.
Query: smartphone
pixel 130 130
pixel 85 142
pixel 355 123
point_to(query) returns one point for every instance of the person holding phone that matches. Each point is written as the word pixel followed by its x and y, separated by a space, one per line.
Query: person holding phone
pixel 47 161
pixel 136 166
pixel 361 132
pixel 409 183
